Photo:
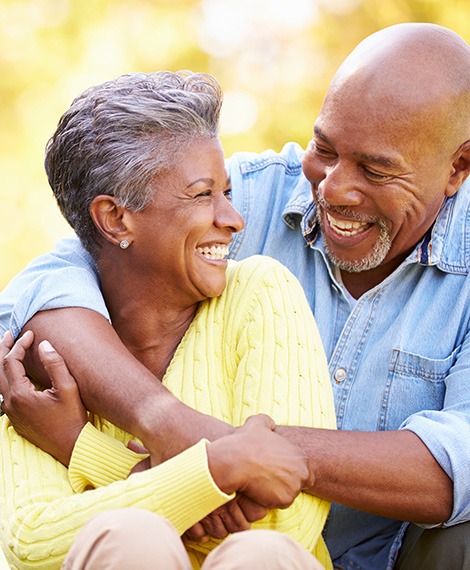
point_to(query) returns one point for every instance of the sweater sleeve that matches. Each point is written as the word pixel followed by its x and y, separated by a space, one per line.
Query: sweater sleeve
pixel 280 369
pixel 40 514
pixel 98 460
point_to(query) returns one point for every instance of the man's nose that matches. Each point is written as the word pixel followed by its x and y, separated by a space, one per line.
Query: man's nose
pixel 339 186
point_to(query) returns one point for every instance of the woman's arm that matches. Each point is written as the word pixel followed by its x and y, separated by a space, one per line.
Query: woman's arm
pixel 40 507
pixel 114 385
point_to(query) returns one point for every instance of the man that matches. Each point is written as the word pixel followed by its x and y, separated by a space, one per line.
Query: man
pixel 383 254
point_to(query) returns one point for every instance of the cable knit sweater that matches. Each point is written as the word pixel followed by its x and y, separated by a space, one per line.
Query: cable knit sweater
pixel 254 349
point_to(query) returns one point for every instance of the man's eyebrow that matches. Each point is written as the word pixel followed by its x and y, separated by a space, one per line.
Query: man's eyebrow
pixel 320 134
pixel 209 181
pixel 377 159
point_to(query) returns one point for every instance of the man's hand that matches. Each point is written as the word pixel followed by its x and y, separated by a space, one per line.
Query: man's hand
pixel 52 419
pixel 259 463
pixel 266 470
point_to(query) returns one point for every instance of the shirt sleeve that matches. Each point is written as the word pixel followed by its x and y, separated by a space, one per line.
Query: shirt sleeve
pixel 66 277
pixel 446 433
pixel 40 514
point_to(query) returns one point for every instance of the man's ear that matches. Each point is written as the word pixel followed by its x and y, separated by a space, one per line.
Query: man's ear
pixel 461 169
pixel 109 218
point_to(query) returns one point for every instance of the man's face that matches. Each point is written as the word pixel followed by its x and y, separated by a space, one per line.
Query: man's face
pixel 377 178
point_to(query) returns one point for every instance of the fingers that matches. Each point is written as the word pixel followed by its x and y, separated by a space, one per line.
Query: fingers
pixel 13 357
pixel 13 379
pixel 233 517
pixel 259 421
pixel 252 511
pixel 6 343
pixel 196 533
pixel 136 447
pixel 55 367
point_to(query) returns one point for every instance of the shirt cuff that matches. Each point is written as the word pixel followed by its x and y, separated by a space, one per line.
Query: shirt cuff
pixel 98 460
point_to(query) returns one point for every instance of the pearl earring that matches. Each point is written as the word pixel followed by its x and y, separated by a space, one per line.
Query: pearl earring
pixel 124 244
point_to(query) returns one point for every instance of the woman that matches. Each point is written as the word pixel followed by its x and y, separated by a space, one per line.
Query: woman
pixel 138 171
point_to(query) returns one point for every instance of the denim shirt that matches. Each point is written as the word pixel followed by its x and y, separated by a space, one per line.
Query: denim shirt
pixel 399 358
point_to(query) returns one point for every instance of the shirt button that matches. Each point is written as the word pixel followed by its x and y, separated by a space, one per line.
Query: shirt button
pixel 340 375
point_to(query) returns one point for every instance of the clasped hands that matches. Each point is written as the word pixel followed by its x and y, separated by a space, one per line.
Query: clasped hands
pixel 263 468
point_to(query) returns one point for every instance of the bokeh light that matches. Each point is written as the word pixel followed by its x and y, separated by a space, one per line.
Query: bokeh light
pixel 273 58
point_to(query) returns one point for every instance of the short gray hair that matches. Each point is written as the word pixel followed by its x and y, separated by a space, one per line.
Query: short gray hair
pixel 117 136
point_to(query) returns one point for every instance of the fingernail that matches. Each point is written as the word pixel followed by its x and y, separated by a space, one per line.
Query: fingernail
pixel 47 346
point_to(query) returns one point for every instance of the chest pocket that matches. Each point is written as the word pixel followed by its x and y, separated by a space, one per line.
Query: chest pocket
pixel 414 383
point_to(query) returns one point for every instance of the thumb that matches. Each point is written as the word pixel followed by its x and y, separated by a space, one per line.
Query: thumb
pixel 136 447
pixel 260 420
pixel 55 366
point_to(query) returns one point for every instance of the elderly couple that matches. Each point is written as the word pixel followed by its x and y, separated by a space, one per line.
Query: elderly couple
pixel 108 466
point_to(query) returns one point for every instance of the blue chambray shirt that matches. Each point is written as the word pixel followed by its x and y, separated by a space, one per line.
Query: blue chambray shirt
pixel 399 358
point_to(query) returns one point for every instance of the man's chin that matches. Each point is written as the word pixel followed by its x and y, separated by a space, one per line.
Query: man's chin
pixel 373 260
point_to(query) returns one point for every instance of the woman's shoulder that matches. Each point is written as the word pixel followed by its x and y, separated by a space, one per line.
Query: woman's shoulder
pixel 256 269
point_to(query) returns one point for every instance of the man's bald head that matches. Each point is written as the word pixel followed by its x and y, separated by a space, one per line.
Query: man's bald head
pixel 417 69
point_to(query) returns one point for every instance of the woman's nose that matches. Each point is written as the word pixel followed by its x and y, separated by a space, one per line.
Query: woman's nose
pixel 227 216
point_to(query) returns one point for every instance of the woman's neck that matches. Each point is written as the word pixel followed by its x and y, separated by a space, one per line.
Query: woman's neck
pixel 148 322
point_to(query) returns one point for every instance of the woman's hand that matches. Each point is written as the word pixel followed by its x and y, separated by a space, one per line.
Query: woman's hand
pixel 52 419
pixel 265 468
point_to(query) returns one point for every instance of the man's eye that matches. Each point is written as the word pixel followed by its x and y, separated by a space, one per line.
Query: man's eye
pixel 320 150
pixel 375 176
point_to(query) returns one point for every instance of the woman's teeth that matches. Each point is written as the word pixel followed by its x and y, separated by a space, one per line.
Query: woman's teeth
pixel 213 252
pixel 346 228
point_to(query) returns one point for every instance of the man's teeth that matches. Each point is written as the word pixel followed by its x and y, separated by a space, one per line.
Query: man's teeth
pixel 346 228
pixel 213 252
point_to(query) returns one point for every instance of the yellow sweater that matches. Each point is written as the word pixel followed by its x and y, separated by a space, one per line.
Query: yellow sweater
pixel 254 349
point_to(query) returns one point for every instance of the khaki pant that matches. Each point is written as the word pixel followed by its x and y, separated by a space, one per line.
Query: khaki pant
pixel 131 539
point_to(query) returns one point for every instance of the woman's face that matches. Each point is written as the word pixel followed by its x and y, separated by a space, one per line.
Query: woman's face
pixel 180 240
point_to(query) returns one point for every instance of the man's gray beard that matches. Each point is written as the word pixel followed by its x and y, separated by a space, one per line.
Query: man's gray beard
pixel 374 259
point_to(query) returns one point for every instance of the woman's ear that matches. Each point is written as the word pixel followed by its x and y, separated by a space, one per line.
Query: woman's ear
pixel 110 219
pixel 461 169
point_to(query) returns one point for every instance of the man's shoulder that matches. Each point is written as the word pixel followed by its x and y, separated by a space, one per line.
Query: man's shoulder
pixel 288 159
pixel 453 228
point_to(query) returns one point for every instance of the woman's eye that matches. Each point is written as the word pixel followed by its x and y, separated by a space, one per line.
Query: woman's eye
pixel 228 194
pixel 204 194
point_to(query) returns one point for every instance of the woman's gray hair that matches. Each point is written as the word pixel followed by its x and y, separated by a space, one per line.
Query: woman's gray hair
pixel 116 137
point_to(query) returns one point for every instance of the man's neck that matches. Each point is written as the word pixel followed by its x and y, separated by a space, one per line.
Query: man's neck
pixel 359 283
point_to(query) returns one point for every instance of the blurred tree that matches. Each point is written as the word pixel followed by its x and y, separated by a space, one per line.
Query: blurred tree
pixel 273 59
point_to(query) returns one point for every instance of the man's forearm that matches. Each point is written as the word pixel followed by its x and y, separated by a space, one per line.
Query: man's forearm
pixel 114 385
pixel 391 474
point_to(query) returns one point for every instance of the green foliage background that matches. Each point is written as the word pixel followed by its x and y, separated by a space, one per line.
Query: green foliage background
pixel 273 58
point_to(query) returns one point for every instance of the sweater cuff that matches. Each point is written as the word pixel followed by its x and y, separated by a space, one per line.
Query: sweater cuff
pixel 98 460
pixel 188 475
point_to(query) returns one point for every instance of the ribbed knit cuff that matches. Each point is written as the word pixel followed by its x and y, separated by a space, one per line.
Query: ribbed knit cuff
pixel 188 475
pixel 98 460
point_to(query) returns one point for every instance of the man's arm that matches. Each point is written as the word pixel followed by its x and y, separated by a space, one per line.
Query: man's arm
pixel 114 385
pixel 390 473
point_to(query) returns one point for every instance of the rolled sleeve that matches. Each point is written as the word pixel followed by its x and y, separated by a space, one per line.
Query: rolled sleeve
pixel 447 435
pixel 66 277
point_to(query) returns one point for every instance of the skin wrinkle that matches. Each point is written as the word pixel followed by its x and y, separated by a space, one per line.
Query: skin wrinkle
pixel 390 473
pixel 395 124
